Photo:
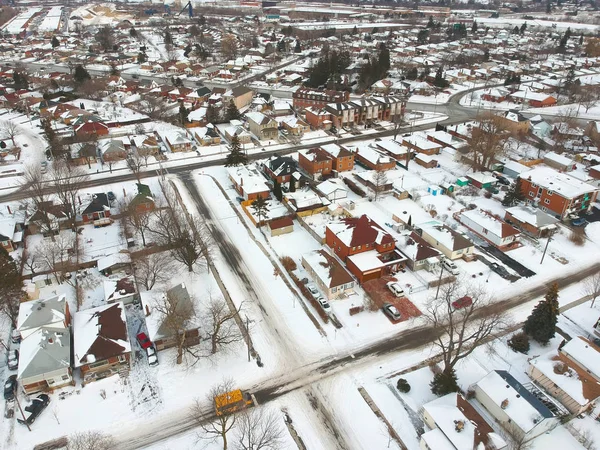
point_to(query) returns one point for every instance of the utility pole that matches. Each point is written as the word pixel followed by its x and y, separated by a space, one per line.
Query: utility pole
pixel 248 336
pixel 546 248
pixel 437 292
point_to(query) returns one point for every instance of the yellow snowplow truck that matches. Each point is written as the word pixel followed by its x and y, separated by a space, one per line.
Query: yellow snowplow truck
pixel 232 402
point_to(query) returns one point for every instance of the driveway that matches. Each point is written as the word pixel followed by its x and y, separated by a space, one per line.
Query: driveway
pixel 507 260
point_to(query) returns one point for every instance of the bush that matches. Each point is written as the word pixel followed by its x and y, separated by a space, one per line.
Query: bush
pixel 288 263
pixel 403 385
pixel 519 342
pixel 444 383
pixel 577 236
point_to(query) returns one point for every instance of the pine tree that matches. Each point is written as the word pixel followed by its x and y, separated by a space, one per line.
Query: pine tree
pixel 55 42
pixel 277 191
pixel 514 195
pixel 541 323
pixel 431 23
pixel 298 47
pixel 384 59
pixel 474 28
pixel 232 113
pixel 20 80
pixel 235 157
pixel 292 187
pixel 444 383
pixel 281 46
pixel 354 31
pixel 523 28
pixel 183 114
pixel 212 115
pixel 260 208
pixel 81 75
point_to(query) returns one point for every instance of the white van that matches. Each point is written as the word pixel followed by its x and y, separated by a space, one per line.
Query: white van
pixel 450 266
pixel 395 288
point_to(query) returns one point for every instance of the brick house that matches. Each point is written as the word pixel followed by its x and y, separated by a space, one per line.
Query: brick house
pixel 557 193
pixel 374 159
pixel 343 159
pixel 159 331
pixel 531 220
pixel 366 248
pixel 318 118
pixel 101 342
pixel 306 97
pixel 316 162
pixel 420 144
pixel 248 182
pixel 280 168
pixel 91 128
pixel 343 114
pixel 98 208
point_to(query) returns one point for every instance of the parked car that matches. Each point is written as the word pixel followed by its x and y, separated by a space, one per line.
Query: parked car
pixel 13 359
pixel 10 386
pixel 33 410
pixel 450 266
pixel 396 289
pixel 152 356
pixel 111 196
pixel 500 270
pixel 15 336
pixel 579 222
pixel 144 340
pixel 462 302
pixel 503 180
pixel 391 311
pixel 324 304
pixel 314 292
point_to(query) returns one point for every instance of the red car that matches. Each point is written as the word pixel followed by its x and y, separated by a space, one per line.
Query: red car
pixel 462 302
pixel 144 341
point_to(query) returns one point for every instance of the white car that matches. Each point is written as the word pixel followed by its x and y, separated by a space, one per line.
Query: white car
pixel 324 304
pixel 450 266
pixel 152 357
pixel 396 289
pixel 314 292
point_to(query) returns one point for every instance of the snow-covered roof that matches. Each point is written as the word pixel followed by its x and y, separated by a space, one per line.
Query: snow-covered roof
pixel 367 261
pixel 117 288
pixel 50 312
pixel 446 236
pixel 393 147
pixel 359 231
pixel 532 216
pixel 586 354
pixel 113 260
pixel 521 406
pixel 248 178
pixel 558 159
pixel 373 156
pixel 422 142
pixel 327 268
pixel 305 199
pixel 560 183
pixel 45 350
pixel 329 187
pixel 516 167
pixel 490 223
pixel 100 333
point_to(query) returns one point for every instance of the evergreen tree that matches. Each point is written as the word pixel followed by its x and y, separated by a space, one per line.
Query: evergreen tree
pixel 281 46
pixel 431 23
pixel 277 191
pixel 523 28
pixel 384 59
pixel 81 75
pixel 354 31
pixel 10 287
pixel 515 30
pixel 232 113
pixel 444 383
pixel 212 115
pixel 20 80
pixel 235 157
pixel 439 80
pixel 541 323
pixel 581 39
pixel 292 187
pixel 142 58
pixel 474 28
pixel 422 36
pixel 548 7
pixel 260 208
pixel 514 195
pixel 133 32
pixel 183 114
pixel 298 47
pixel 412 73
pixel 55 42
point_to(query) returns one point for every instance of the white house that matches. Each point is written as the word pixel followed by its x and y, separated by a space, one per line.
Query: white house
pixel 489 227
pixel 515 407
pixel 332 191
pixel 331 276
pixel 451 243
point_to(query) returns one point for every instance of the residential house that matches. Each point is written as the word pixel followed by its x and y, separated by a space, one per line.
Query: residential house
pixel 318 118
pixel 559 162
pixel 11 234
pixel 91 128
pixel 366 248
pixel 391 107
pixel 176 140
pixel 45 360
pixel 332 190
pixel 305 97
pixel 84 153
pixel 295 126
pixel 280 168
pixel 343 115
pixel 539 127
pixel 114 263
pixel 47 219
pixel 373 159
pixel 394 149
pixel 571 375
pixel 248 182
pixel 330 276
pixel 533 99
pixel 481 180
pixel 419 254
pixel 367 110
pixel 316 162
pixel 556 192
pixel 513 169
pixel 101 342
pixel 241 96
pixel 98 208
pixel 454 424
pixel 514 121
pixel 446 139
pixel 533 221
pixel 143 200
pixel 594 172
pixel 305 202
pixel 496 95
pixel 113 150
pixel 420 144
pixel 451 243
pixel 235 128
pixel 207 135
pixel 120 289
pixel 159 331
pixel 426 161
pixel 343 159
pixel 522 412
pixel 52 312
pixel 146 144
pixel 261 126
pixel 281 225
pixel 490 228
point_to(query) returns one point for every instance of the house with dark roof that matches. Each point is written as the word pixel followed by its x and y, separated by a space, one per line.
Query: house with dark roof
pixel 47 219
pixel 524 411
pixel 367 249
pixel 331 276
pixel 281 225
pixel 120 289
pixel 98 208
pixel 280 168
pixel 101 342
pixel 419 254
pixel 451 243
pixel 179 301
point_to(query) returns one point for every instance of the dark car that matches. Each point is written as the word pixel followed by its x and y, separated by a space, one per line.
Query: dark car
pixel 144 340
pixel 462 302
pixel 391 311
pixel 503 180
pixel 111 196
pixel 579 222
pixel 500 270
pixel 9 388
pixel 33 410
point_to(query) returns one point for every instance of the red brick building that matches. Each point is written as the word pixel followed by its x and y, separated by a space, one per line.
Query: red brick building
pixel 316 162
pixel 305 97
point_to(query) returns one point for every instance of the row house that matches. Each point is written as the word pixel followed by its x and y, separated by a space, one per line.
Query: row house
pixel 366 110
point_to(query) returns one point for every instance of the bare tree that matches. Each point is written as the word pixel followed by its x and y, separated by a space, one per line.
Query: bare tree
pixel 90 440
pixel 135 163
pixel 177 318
pixel 224 422
pixel 10 287
pixel 152 106
pixel 515 438
pixel 137 219
pixel 229 46
pixel 220 324
pixel 187 237
pixel 486 140
pixel 154 268
pixel 11 129
pixel 54 256
pixel 379 182
pixel 259 429
pixel 589 96
pixel 591 287
pixel 172 53
pixel 35 181
pixel 66 181
pixel 458 332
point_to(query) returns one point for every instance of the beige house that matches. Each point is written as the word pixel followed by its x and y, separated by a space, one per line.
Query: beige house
pixel 570 375
pixel 451 243
pixel 241 96
pixel 330 276
pixel 261 126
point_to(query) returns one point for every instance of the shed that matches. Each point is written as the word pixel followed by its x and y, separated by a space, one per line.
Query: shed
pixel 434 190
pixel 462 181
pixel 281 225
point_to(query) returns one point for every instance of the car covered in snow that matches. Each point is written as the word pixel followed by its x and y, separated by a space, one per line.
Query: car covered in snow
pixel 13 359
pixel 10 385
pixel 152 356
pixel 395 288
pixel 324 304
